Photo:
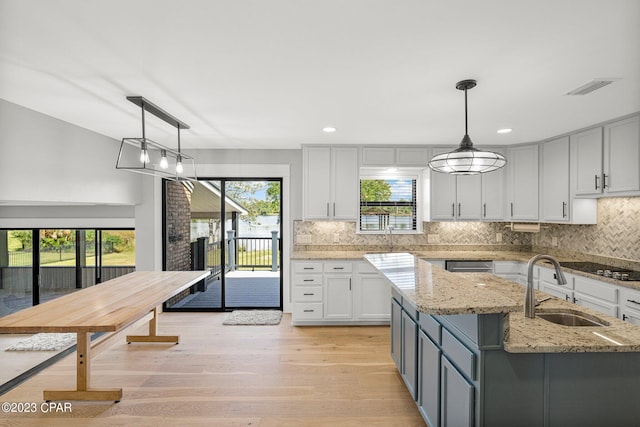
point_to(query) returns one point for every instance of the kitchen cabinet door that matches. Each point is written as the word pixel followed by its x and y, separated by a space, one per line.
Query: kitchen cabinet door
pixel 429 379
pixel 372 295
pixel 555 180
pixel 345 184
pixel 586 148
pixel 456 394
pixel 455 197
pixel 469 197
pixel 443 195
pixel 622 156
pixel 523 194
pixel 317 178
pixel 493 194
pixel 337 297
pixel 409 370
pixel 396 334
pixel 330 183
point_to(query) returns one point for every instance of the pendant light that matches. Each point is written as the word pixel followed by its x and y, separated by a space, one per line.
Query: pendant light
pixel 154 158
pixel 466 159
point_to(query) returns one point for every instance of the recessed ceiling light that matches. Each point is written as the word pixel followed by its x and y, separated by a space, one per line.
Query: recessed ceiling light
pixel 328 129
pixel 505 130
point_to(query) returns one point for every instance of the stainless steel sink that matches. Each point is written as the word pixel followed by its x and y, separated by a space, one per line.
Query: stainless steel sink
pixel 566 318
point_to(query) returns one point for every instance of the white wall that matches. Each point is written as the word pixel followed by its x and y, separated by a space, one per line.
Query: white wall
pixel 44 160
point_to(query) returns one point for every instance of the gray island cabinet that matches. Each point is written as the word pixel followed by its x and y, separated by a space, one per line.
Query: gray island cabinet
pixel 469 357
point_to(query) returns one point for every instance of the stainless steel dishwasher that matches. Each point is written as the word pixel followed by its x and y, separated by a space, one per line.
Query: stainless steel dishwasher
pixel 469 266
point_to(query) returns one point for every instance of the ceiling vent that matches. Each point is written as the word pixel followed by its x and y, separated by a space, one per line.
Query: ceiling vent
pixel 589 87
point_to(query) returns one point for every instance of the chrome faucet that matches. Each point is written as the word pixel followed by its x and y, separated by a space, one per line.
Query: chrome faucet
pixel 388 229
pixel 529 298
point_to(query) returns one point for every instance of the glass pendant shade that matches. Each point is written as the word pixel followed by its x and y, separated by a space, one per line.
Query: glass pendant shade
pixel 466 159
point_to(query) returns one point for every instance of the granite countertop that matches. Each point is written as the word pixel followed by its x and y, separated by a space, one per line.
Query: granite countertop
pixel 436 291
pixel 459 255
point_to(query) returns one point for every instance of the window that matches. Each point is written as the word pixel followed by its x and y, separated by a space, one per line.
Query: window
pixel 389 202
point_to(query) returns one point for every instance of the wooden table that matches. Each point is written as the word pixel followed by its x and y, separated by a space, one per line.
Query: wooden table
pixel 108 307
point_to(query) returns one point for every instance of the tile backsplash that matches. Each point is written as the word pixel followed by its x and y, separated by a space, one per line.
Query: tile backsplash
pixel 616 236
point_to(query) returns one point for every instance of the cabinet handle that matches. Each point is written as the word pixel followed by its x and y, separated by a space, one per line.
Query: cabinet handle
pixel 308 268
pixel 597 181
pixel 511 209
pixel 633 301
pixel 485 210
pixel 308 311
pixel 564 211
pixel 624 317
pixel 459 209
pixel 308 294
pixel 566 297
pixel 604 180
pixel 349 283
pixel 327 209
pixel 338 268
pixel 453 209
pixel 308 280
pixel 334 208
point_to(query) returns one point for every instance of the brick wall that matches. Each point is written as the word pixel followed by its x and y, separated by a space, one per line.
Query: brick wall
pixel 178 227
pixel 178 214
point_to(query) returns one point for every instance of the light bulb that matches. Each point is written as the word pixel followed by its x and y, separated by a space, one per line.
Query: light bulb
pixel 179 168
pixel 144 155
pixel 164 163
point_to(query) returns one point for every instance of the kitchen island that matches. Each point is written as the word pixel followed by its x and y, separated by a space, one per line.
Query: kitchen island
pixel 469 356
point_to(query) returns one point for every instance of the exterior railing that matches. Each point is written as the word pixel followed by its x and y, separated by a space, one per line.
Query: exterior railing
pixel 245 253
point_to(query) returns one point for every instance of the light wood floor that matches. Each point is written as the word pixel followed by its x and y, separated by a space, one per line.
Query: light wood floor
pixel 219 375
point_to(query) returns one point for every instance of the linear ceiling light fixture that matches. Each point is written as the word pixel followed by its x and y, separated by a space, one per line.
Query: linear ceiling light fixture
pixel 467 160
pixel 154 158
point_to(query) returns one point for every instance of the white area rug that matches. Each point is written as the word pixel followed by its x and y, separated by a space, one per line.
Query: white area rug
pixel 44 342
pixel 253 317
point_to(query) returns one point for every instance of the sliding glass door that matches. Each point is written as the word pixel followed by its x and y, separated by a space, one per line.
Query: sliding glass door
pixel 235 232
pixel 16 270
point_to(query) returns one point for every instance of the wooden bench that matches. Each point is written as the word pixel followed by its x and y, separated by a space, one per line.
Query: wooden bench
pixel 108 307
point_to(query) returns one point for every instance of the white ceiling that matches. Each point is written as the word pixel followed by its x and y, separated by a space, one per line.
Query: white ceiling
pixel 272 73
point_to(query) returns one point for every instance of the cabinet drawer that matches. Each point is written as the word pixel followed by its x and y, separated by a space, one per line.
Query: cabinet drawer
pixel 460 355
pixel 307 267
pixel 431 327
pixel 594 288
pixel 366 268
pixel 308 311
pixel 302 280
pixel 506 267
pixel 549 275
pixel 307 294
pixel 338 267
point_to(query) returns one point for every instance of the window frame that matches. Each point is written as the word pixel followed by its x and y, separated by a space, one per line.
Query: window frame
pixel 394 173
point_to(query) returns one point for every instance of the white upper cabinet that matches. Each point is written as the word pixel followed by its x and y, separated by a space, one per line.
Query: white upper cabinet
pixel 554 171
pixel 455 197
pixel 395 156
pixel 330 182
pixel 605 160
pixel 523 183
pixel 621 172
pixel 493 194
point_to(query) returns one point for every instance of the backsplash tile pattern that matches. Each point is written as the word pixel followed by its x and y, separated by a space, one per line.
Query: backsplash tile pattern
pixel 614 240
pixel 616 235
pixel 343 236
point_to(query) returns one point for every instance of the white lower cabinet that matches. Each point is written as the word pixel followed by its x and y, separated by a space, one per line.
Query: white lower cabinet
pixel 372 293
pixel 548 283
pixel 515 271
pixel 338 292
pixel 630 305
pixel 601 296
